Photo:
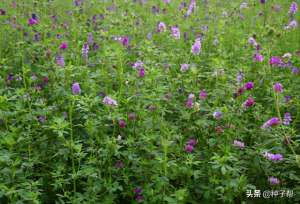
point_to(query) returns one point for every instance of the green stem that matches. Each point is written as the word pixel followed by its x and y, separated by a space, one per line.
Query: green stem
pixel 71 143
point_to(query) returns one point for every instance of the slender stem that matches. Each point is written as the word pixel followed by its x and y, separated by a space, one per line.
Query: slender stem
pixel 71 144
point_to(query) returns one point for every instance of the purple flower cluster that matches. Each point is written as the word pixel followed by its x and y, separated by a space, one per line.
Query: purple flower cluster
pixel 273 157
pixel 109 101
pixel 287 119
pixel 278 88
pixel 196 47
pixel 203 95
pixel 138 194
pixel 175 32
pixel 76 88
pixel 249 102
pixel 184 67
pixel 239 144
pixel 271 123
pixel 273 180
pixel 190 101
pixel 276 61
pixel 293 8
pixel 189 146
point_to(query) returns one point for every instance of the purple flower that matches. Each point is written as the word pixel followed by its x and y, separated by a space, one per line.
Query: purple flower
pixel 138 190
pixel 275 61
pixel 109 101
pixel 119 164
pixel 217 115
pixel 238 144
pixel 293 8
pixel 273 157
pixel 292 24
pixel 32 21
pixel 249 85
pixel 203 95
pixel 161 27
pixel 122 123
pixel 175 32
pixel 125 41
pixel 189 148
pixel 263 1
pixel 60 60
pixel 138 65
pixel 196 47
pixel 240 77
pixel 192 142
pixel 252 41
pixel 10 77
pixel 189 103
pixel 249 102
pixel 295 70
pixel 184 67
pixel 273 180
pixel 42 119
pixel 191 7
pixel 142 72
pixel 76 88
pixel 85 50
pixel 90 39
pixel 258 57
pixel 287 98
pixel 278 88
pixel 287 119
pixel 271 123
pixel 139 198
pixel 2 12
pixel 131 116
pixel 63 45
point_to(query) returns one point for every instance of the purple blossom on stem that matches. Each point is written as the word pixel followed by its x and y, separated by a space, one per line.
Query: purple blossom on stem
pixel 293 8
pixel 90 39
pixel 161 27
pixel 278 88
pixel 76 88
pixel 196 47
pixel 109 101
pixel 240 77
pixel 142 72
pixel 258 57
pixel 122 123
pixel 32 21
pixel 184 67
pixel 63 46
pixel 249 102
pixel 175 32
pixel 249 85
pixel 287 119
pixel 189 148
pixel 291 25
pixel 189 103
pixel 275 61
pixel 273 180
pixel 191 7
pixel 85 50
pixel 60 60
pixel 238 144
pixel 217 115
pixel 252 41
pixel 125 41
pixel 203 95
pixel 271 123
pixel 273 157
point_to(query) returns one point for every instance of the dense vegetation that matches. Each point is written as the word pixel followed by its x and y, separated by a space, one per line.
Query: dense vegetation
pixel 149 101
